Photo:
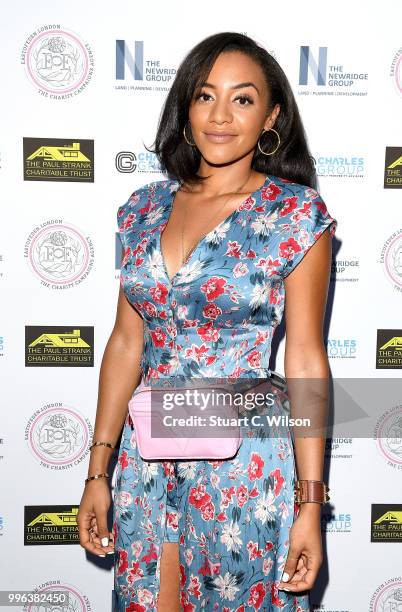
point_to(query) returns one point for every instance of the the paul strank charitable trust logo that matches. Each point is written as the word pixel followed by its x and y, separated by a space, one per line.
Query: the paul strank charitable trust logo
pixel 143 161
pixel 388 436
pixel 340 166
pixel 323 74
pixel 56 595
pixel 396 70
pixel 58 436
pixel 59 254
pixel 389 349
pixel 59 159
pixel 59 346
pixel 136 71
pixel 393 168
pixel 50 524
pixel 387 596
pixel 386 523
pixel 391 259
pixel 57 62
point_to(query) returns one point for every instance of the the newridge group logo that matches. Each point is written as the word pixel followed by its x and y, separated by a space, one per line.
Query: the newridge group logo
pixel 136 71
pixel 56 524
pixel 393 168
pixel 59 346
pixel 59 159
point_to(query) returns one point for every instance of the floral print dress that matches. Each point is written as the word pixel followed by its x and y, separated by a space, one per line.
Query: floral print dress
pixel 215 317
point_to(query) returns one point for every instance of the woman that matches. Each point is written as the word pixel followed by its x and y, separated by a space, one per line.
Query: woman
pixel 208 257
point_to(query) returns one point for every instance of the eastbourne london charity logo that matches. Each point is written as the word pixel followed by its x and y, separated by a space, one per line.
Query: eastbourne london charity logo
pixel 388 436
pixel 59 254
pixel 59 346
pixel 50 525
pixel 323 74
pixel 386 523
pixel 393 168
pixel 136 71
pixel 340 166
pixel 58 63
pixel 58 436
pixel 59 159
pixel 388 596
pixel 396 71
pixel 56 596
pixel 128 162
pixel 389 349
pixel 391 259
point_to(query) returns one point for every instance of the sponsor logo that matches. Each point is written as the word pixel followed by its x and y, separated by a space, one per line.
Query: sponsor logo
pixel 393 168
pixel 396 70
pixel 58 436
pixel 389 349
pixel 345 270
pixel 387 596
pixel 50 525
pixel 57 159
pixel 391 259
pixel 129 162
pixel 336 523
pixel 338 448
pixel 386 523
pixel 57 62
pixel 136 71
pixel 339 166
pixel 388 436
pixel 60 346
pixel 59 254
pixel 322 76
pixel 57 595
pixel 342 348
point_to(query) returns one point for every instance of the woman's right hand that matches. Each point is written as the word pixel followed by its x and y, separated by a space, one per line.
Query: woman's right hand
pixel 92 518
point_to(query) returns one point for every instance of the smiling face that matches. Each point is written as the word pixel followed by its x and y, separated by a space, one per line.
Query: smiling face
pixel 230 110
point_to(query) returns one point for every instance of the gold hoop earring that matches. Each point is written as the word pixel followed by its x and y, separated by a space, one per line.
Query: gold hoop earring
pixel 277 146
pixel 192 144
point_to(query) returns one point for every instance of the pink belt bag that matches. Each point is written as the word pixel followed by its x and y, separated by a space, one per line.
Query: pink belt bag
pixel 173 444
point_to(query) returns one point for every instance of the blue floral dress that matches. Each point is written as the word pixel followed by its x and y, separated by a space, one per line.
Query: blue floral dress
pixel 215 317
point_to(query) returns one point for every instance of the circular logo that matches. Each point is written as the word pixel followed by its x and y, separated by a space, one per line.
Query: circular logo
pixel 396 71
pixel 57 62
pixel 391 258
pixel 57 595
pixel 388 434
pixel 388 596
pixel 58 436
pixel 59 254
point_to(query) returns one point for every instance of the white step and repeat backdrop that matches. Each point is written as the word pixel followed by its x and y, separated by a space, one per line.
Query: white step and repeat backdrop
pixel 83 86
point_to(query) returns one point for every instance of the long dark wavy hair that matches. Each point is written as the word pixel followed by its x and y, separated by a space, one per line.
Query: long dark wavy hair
pixel 178 160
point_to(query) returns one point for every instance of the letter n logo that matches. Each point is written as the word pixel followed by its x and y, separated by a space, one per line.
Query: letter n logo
pixel 124 56
pixel 318 69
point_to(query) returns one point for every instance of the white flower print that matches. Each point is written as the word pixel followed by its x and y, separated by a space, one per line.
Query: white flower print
pixel 154 215
pixel 155 265
pixel 230 536
pixel 263 224
pixel 190 271
pixel 260 294
pixel 186 469
pixel 149 470
pixel 218 233
pixel 265 507
pixel 226 586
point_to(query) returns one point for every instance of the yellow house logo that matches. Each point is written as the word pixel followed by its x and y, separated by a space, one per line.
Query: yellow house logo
pixel 395 343
pixel 392 517
pixel 397 162
pixel 56 518
pixel 62 153
pixel 60 340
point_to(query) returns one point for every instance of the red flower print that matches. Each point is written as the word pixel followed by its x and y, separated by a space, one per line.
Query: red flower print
pixel 213 287
pixel 251 254
pixel 242 495
pixel 279 480
pixel 159 293
pixel 128 222
pixel 227 494
pixel 211 311
pixel 289 248
pixel 208 511
pixel 261 337
pixel 151 554
pixel 196 352
pixel 198 496
pixel 150 308
pixel 158 337
pixel 271 192
pixel 164 368
pixel 234 249
pixel 291 204
pixel 123 460
pixel 268 264
pixel 247 204
pixel 134 572
pixel 257 594
pixel 135 607
pixel 208 333
pixel 182 576
pixel 254 359
pixel 122 562
pixel 194 587
pixel 253 552
pixel 210 360
pixel 221 517
pixel 208 568
pixel 255 467
pixel 126 256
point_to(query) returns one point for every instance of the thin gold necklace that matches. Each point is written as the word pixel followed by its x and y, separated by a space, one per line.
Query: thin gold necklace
pixel 185 257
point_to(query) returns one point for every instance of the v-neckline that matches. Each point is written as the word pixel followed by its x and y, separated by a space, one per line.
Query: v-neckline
pixel 170 201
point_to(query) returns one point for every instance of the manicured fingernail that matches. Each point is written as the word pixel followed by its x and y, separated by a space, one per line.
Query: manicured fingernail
pixel 283 589
pixel 111 552
pixel 101 555
pixel 105 541
pixel 285 576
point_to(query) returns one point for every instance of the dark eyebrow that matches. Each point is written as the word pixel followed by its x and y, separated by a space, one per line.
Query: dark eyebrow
pixel 239 86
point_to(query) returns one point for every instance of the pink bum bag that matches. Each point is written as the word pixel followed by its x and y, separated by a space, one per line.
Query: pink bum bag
pixel 175 446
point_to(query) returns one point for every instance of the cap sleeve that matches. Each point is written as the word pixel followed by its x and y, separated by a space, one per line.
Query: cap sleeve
pixel 304 219
pixel 127 214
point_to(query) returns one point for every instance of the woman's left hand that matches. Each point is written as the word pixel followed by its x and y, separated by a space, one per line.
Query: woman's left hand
pixel 305 550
